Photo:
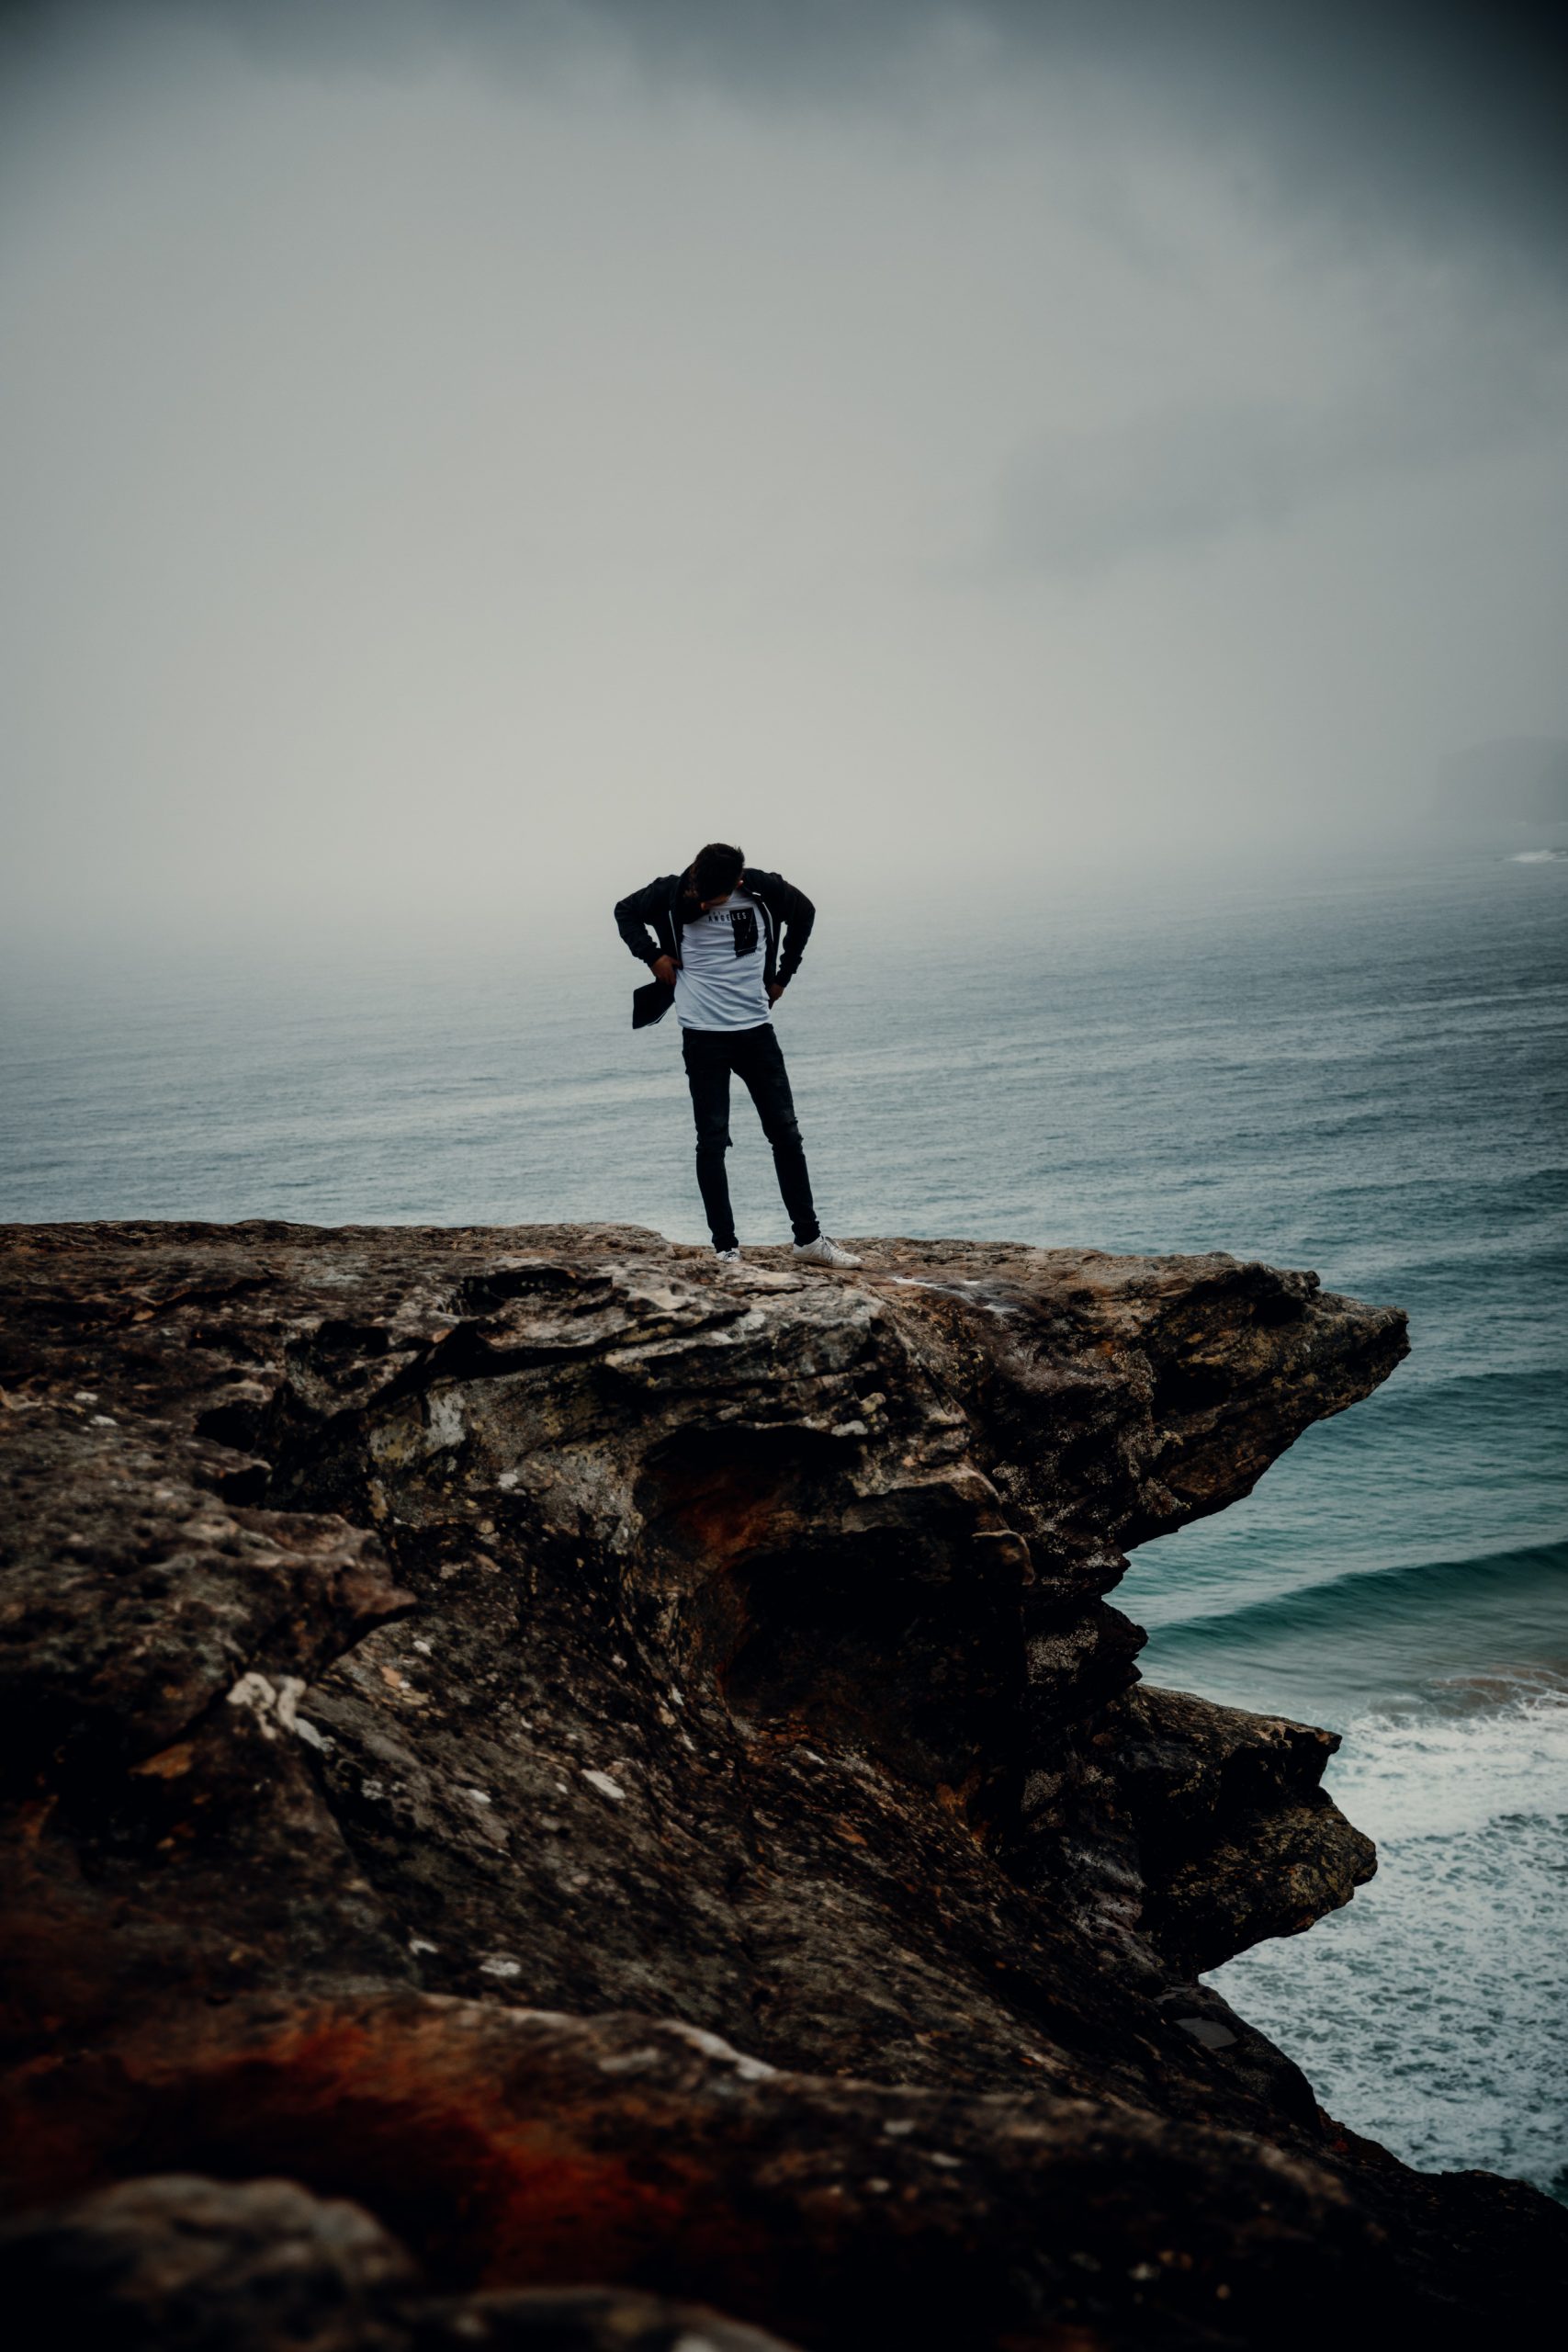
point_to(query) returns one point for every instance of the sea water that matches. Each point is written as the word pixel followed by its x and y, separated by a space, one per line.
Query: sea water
pixel 1361 1071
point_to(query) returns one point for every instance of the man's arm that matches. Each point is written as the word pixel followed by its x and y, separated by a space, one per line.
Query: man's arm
pixel 633 917
pixel 795 915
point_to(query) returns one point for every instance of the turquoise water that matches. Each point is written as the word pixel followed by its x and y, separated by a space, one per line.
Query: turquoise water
pixel 1361 1071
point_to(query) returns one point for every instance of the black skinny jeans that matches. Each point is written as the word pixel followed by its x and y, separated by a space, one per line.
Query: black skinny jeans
pixel 753 1055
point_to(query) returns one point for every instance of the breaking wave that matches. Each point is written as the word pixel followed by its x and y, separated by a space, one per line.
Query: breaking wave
pixel 1430 2013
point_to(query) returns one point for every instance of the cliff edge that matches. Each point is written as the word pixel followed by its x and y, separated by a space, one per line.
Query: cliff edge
pixel 625 1771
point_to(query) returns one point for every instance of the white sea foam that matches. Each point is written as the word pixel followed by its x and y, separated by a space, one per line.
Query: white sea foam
pixel 1431 2014
pixel 1423 1774
pixel 1536 856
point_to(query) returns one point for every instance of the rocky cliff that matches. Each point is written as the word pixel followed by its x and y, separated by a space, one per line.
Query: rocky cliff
pixel 625 1771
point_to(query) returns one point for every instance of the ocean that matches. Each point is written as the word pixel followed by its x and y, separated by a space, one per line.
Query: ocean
pixel 1359 1070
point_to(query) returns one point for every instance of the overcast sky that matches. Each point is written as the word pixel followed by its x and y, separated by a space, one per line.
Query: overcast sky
pixel 450 450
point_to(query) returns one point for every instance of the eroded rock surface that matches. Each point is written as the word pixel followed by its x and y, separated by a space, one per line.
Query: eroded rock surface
pixel 627 1769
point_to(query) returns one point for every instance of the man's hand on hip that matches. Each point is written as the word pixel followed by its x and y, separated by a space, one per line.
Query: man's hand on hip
pixel 663 968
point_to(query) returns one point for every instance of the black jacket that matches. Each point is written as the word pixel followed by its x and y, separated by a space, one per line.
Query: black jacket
pixel 787 917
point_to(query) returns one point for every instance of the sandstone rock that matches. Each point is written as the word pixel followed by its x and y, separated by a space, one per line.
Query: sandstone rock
pixel 184 2264
pixel 627 1768
pixel 1236 1840
pixel 179 2263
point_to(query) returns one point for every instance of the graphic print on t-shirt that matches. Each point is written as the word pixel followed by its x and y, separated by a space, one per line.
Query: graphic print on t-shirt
pixel 744 920
pixel 720 984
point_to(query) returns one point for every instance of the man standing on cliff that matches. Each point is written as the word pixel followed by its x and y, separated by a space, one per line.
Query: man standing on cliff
pixel 723 942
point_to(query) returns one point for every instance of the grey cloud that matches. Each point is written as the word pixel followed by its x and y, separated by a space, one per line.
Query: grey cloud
pixel 1189 472
pixel 1444 120
pixel 442 441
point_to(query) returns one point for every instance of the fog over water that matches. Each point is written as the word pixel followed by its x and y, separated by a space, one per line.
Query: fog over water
pixel 444 444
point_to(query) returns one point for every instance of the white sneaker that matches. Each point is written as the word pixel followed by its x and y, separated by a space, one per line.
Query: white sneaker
pixel 823 1252
pixel 727 1257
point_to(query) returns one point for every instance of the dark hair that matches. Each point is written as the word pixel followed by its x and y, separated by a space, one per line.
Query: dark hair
pixel 716 870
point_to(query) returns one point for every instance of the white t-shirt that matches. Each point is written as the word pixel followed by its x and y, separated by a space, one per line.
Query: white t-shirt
pixel 720 984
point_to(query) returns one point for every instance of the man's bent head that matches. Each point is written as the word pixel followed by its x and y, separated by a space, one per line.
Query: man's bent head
pixel 716 870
